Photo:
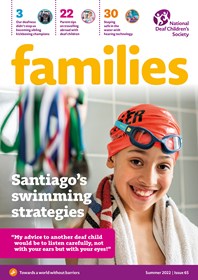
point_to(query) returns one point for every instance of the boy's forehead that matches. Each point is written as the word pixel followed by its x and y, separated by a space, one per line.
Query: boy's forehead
pixel 156 152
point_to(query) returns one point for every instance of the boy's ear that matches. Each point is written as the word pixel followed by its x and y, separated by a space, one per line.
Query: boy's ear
pixel 110 162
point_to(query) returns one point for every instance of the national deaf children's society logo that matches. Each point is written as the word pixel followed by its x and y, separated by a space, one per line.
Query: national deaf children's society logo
pixel 164 23
pixel 161 17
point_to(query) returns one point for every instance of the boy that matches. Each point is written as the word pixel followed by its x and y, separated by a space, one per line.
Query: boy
pixel 149 228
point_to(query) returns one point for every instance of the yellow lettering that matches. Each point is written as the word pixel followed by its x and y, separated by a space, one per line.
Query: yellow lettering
pixel 153 66
pixel 19 62
pixel 154 70
pixel 46 72
pixel 108 66
pixel 134 66
pixel 181 73
pixel 79 69
pixel 121 64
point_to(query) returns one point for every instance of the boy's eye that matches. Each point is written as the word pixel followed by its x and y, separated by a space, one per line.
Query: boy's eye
pixel 164 167
pixel 136 162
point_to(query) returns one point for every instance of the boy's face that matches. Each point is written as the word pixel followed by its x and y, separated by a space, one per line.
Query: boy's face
pixel 142 177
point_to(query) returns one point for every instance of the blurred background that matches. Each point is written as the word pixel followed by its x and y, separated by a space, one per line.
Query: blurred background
pixel 105 103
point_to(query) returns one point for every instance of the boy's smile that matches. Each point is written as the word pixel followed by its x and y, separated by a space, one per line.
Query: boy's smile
pixel 142 193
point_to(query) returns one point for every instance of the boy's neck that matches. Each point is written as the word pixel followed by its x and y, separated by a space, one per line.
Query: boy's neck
pixel 140 217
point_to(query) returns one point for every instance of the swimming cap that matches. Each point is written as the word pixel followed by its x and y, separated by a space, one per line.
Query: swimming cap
pixel 156 119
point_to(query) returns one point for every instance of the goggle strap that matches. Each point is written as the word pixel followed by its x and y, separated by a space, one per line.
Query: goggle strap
pixel 122 126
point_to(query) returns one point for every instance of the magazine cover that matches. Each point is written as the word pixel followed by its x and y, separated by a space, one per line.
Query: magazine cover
pixel 98 139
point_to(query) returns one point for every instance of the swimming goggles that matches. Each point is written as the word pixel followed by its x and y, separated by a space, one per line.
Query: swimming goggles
pixel 144 139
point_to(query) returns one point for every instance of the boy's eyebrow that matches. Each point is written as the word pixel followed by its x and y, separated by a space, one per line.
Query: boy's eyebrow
pixel 137 151
pixel 144 153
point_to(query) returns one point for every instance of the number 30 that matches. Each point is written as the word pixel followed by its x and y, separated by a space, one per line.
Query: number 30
pixel 111 13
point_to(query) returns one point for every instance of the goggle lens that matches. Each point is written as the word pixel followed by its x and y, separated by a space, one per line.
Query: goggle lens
pixel 142 137
pixel 173 143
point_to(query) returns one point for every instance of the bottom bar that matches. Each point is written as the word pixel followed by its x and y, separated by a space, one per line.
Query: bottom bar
pixel 34 272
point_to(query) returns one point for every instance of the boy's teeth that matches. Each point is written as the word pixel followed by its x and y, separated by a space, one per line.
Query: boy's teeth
pixel 143 193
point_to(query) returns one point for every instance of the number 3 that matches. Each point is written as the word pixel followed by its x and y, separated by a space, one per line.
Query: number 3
pixel 19 13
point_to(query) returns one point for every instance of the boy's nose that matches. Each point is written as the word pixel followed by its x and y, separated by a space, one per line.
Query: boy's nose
pixel 148 177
